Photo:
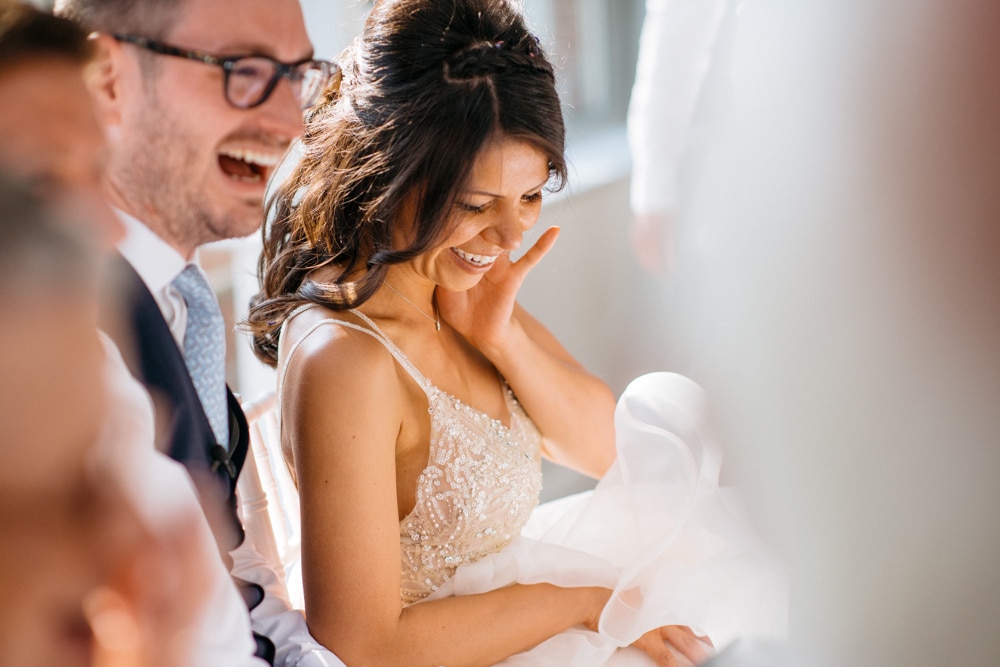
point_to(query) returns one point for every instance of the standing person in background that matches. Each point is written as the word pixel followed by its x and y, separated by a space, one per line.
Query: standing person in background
pixel 675 53
pixel 199 99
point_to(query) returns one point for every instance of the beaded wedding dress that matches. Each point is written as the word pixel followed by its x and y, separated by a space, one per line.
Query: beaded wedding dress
pixel 658 529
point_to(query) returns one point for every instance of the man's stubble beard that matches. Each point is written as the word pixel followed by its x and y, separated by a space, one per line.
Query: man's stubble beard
pixel 168 194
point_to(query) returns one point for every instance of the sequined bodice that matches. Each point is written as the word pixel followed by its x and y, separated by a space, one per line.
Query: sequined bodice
pixel 478 489
pixel 476 493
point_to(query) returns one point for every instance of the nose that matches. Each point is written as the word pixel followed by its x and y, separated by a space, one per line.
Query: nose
pixel 510 227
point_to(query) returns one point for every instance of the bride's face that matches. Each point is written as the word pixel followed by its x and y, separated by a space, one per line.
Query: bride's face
pixel 501 201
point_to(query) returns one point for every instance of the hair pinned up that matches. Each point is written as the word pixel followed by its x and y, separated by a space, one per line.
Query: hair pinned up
pixel 427 85
pixel 487 58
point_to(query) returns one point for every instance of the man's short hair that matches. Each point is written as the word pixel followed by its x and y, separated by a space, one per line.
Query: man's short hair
pixel 147 18
pixel 27 33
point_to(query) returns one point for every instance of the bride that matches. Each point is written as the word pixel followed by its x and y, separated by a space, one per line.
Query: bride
pixel 417 397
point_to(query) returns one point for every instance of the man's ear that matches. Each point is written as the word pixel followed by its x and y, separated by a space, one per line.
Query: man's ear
pixel 104 77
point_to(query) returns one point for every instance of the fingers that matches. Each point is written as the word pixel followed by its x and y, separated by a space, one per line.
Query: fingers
pixel 536 252
pixel 652 644
pixel 685 642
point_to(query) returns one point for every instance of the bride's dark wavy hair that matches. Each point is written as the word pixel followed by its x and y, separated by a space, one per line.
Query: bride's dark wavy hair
pixel 427 85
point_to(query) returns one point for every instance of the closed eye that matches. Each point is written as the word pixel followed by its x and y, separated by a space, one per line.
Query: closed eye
pixel 532 198
pixel 470 208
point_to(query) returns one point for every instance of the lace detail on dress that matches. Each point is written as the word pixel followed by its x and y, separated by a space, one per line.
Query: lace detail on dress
pixel 479 488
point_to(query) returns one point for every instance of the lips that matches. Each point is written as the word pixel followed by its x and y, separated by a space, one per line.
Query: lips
pixel 476 260
pixel 248 165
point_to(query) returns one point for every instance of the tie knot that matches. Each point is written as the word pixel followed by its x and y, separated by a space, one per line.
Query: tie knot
pixel 194 287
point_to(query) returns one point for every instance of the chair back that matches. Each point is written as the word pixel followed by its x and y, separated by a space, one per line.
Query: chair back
pixel 269 501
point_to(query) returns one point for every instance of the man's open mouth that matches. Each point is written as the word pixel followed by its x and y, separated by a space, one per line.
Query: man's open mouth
pixel 247 165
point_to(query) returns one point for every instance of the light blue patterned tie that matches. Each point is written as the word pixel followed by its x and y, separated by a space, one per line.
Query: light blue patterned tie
pixel 205 348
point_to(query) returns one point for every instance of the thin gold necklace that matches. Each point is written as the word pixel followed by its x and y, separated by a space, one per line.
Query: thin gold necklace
pixel 436 319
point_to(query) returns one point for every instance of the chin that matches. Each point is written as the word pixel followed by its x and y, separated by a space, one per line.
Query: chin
pixel 461 285
pixel 238 223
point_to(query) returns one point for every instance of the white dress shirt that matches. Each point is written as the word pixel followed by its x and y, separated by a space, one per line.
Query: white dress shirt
pixel 158 263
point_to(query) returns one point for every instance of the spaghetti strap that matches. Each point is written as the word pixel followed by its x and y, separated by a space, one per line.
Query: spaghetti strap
pixel 375 332
pixel 403 360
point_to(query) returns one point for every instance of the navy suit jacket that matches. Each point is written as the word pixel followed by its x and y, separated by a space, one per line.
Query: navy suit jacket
pixel 182 428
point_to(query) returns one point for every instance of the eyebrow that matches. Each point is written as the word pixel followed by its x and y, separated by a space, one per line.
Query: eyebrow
pixel 485 193
pixel 251 49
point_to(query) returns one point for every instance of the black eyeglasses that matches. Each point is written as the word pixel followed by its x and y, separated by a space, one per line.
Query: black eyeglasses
pixel 249 80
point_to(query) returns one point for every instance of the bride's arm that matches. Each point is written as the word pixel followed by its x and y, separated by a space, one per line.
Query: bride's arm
pixel 342 408
pixel 573 408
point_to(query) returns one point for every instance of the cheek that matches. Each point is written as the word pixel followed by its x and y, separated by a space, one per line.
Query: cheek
pixel 530 215
pixel 186 125
pixel 463 230
pixel 53 557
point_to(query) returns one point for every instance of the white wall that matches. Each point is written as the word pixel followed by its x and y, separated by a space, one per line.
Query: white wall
pixel 332 24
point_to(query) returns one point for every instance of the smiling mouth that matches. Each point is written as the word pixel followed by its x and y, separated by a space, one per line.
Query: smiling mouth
pixel 475 260
pixel 247 165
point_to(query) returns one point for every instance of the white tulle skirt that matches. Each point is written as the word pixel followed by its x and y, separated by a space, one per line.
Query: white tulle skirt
pixel 658 530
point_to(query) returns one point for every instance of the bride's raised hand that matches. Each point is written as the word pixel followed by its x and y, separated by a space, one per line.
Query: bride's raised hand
pixel 484 314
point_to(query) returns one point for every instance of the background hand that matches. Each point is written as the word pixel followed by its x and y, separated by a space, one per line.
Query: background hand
pixel 652 239
pixel 483 314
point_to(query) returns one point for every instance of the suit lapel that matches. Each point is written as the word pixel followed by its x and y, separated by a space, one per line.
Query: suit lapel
pixel 183 430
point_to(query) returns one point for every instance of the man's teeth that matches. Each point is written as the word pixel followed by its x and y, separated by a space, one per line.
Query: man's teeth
pixel 478 260
pixel 250 156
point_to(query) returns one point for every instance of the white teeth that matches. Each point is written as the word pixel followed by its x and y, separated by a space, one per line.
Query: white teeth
pixel 478 260
pixel 266 160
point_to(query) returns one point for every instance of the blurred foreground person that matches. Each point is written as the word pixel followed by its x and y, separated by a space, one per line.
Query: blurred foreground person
pixel 64 527
pixel 845 305
pixel 172 602
pixel 49 136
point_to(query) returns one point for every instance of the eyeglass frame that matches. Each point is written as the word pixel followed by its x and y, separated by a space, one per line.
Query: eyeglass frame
pixel 282 70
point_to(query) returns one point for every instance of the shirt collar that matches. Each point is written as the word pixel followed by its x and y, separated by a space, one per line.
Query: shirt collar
pixel 155 260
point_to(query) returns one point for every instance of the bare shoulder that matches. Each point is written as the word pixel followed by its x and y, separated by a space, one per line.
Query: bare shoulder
pixel 334 374
pixel 324 344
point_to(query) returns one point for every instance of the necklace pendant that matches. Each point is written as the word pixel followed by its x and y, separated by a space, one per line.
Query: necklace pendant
pixel 436 319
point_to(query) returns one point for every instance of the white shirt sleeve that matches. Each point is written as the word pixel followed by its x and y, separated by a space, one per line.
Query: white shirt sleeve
pixel 675 50
pixel 274 616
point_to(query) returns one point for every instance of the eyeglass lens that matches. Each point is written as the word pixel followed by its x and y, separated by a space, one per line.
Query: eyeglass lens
pixel 251 80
